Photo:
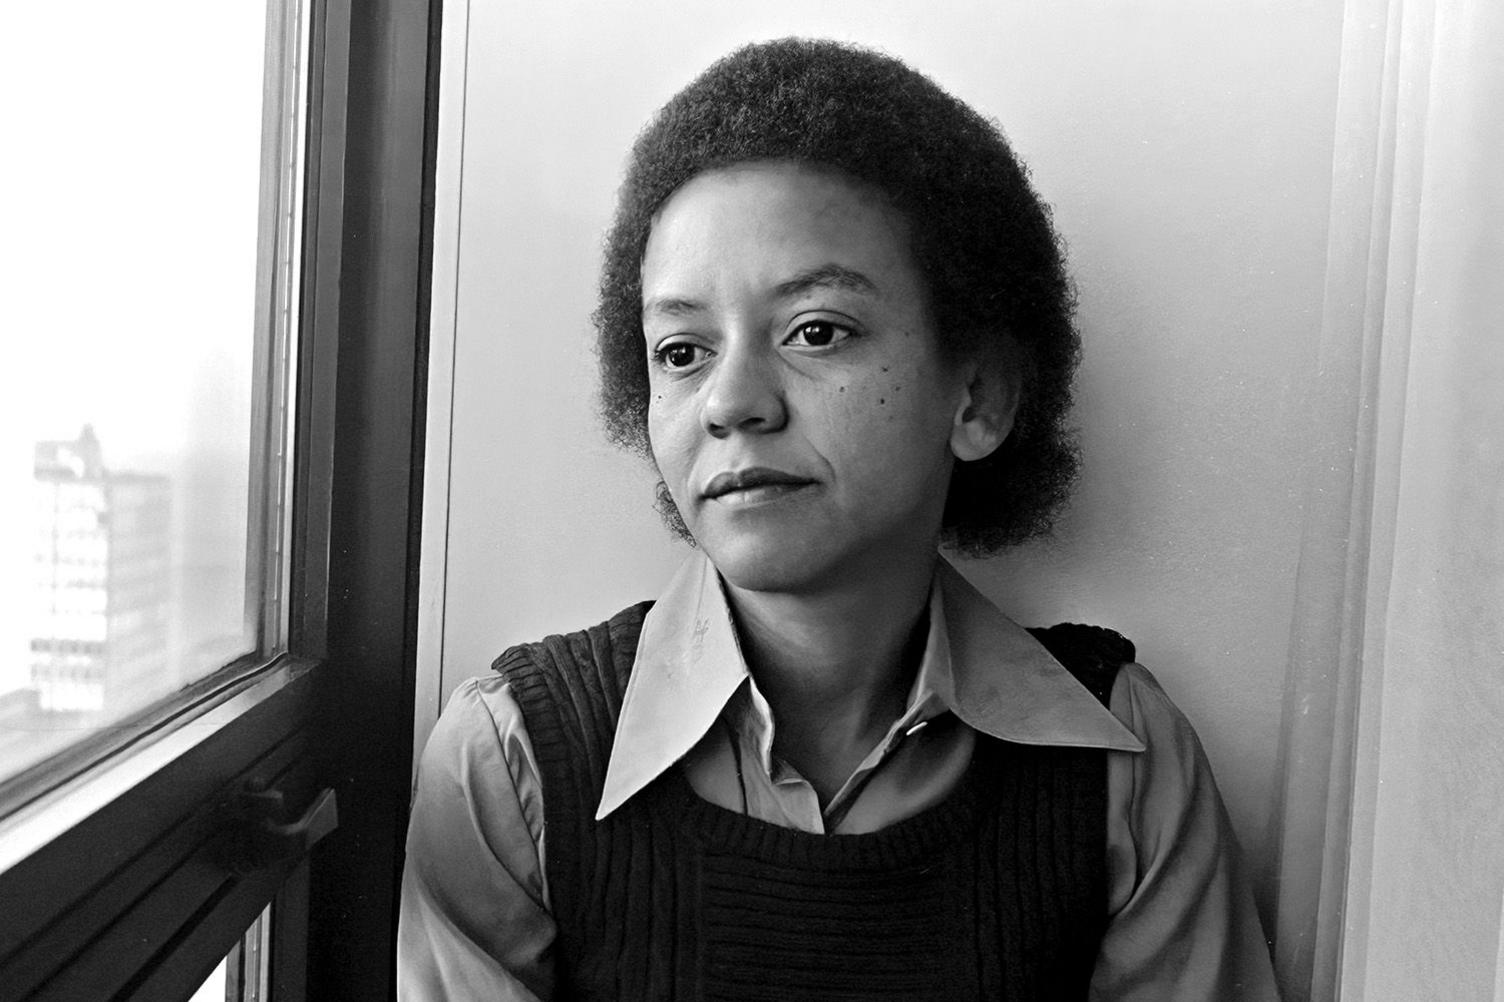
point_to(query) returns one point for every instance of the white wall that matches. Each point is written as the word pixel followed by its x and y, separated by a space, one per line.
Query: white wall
pixel 1187 150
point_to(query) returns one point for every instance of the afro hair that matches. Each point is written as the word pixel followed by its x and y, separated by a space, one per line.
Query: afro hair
pixel 981 238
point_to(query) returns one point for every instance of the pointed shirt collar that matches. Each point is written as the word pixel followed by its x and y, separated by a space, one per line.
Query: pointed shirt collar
pixel 978 664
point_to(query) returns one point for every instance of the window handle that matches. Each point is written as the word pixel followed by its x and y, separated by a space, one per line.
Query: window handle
pixel 261 834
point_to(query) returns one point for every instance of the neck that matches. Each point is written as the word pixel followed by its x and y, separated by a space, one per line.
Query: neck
pixel 836 665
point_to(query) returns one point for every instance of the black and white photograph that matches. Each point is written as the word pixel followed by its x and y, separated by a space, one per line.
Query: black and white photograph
pixel 799 501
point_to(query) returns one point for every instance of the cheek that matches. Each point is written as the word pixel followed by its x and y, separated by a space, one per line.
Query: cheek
pixel 890 397
pixel 671 447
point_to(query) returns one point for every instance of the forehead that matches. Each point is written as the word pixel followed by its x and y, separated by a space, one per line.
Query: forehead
pixel 756 226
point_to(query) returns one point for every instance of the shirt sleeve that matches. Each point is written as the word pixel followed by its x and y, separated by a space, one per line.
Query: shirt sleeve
pixel 474 920
pixel 1182 924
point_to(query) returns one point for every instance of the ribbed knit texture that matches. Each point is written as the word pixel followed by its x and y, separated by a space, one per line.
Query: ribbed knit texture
pixel 999 892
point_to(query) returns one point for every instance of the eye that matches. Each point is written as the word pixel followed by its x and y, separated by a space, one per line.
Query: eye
pixel 818 334
pixel 679 355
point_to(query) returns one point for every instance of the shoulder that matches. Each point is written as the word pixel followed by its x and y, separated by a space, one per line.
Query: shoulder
pixel 1093 654
pixel 567 691
pixel 1183 923
pixel 480 730
pixel 607 644
pixel 474 907
pixel 1142 704
pixel 477 795
pixel 1167 793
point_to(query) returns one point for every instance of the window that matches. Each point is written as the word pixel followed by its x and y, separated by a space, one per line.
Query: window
pixel 139 578
pixel 133 851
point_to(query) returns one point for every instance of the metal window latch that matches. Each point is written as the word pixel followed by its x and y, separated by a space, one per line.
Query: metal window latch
pixel 261 831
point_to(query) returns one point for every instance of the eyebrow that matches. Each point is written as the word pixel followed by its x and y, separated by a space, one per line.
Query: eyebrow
pixel 668 306
pixel 825 276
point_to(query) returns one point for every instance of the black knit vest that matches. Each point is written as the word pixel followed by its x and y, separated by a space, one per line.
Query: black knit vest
pixel 999 892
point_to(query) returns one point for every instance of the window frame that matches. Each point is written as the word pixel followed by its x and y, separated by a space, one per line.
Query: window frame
pixel 130 898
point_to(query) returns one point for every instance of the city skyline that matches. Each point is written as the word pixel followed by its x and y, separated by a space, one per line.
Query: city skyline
pixel 137 586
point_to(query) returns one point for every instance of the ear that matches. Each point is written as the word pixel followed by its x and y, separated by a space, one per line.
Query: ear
pixel 989 403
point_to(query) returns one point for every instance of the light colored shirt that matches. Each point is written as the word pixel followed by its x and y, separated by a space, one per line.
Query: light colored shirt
pixel 475 915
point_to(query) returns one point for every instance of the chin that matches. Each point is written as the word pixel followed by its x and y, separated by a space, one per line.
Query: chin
pixel 807 556
pixel 782 565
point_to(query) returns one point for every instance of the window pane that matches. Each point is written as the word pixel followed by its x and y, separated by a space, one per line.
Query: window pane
pixel 242 976
pixel 138 203
pixel 213 989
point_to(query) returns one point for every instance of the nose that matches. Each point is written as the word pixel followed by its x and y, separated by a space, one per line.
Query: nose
pixel 745 391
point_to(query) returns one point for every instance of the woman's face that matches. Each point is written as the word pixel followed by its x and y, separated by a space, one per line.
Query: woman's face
pixel 801 413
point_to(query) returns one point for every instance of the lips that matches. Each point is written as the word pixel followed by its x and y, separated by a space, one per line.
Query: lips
pixel 753 482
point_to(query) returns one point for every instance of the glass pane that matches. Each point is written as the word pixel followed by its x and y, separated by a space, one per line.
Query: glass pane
pixel 140 331
pixel 213 990
pixel 243 975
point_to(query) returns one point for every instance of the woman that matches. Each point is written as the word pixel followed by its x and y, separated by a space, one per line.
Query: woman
pixel 835 317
